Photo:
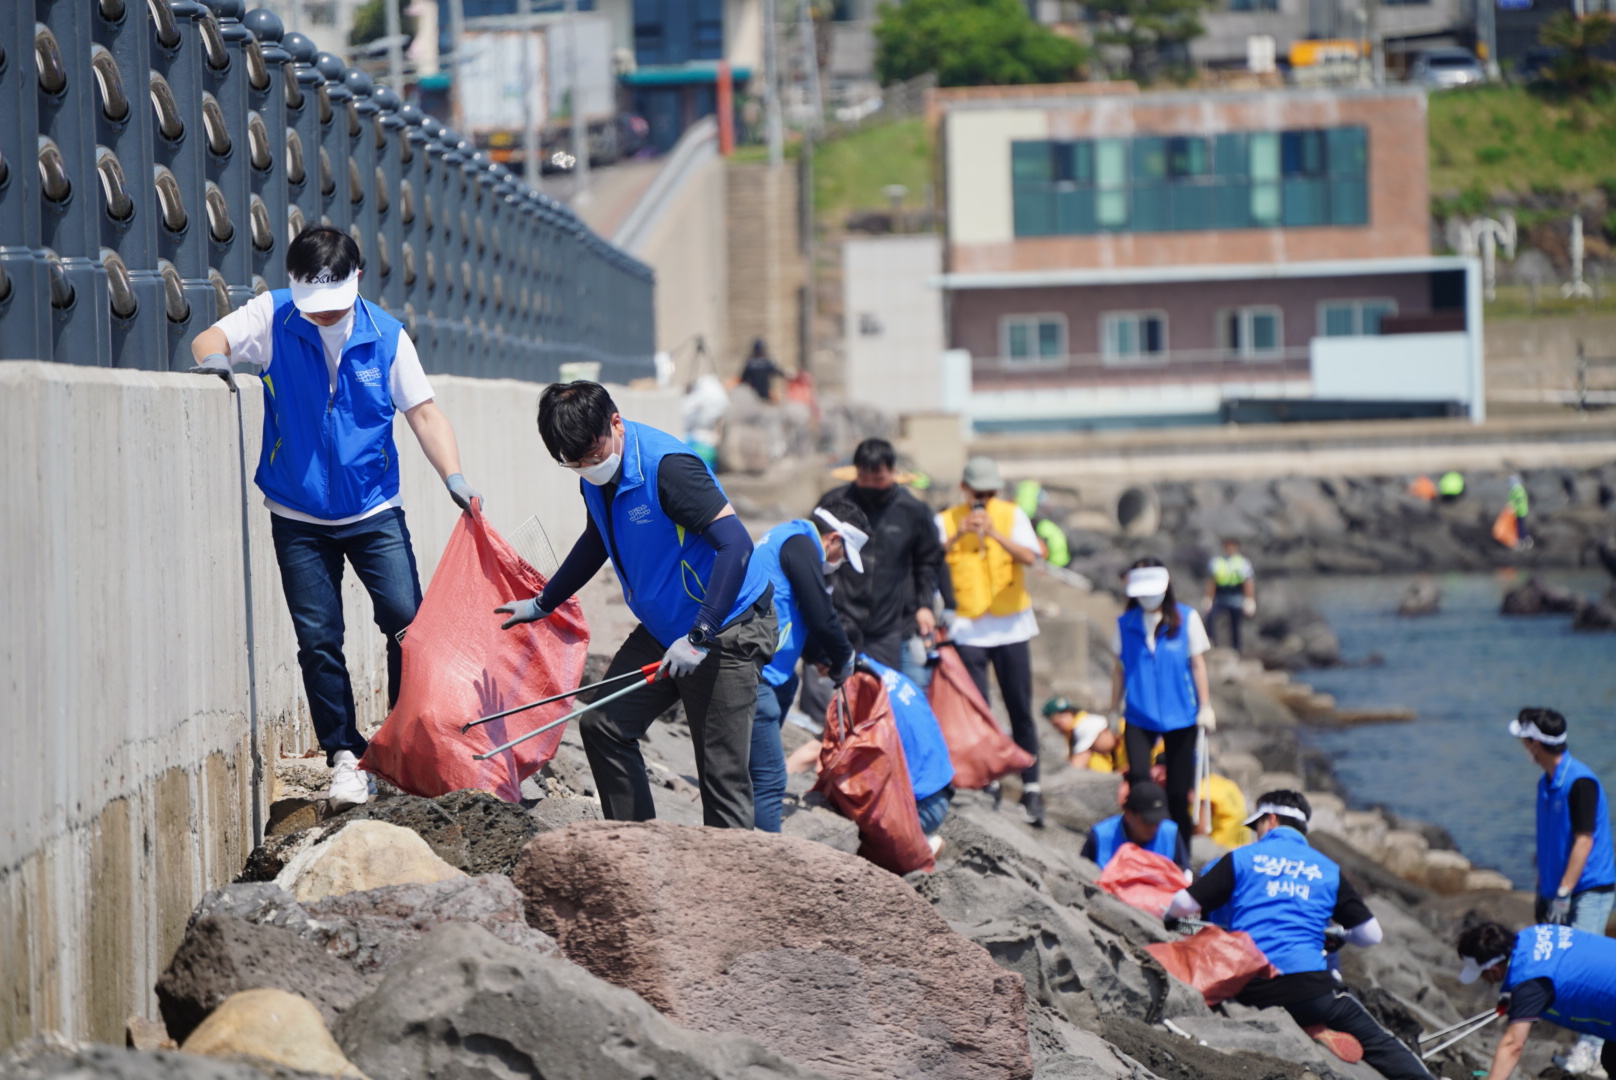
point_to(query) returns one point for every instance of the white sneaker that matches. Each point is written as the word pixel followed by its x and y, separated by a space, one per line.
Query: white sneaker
pixel 350 785
pixel 934 842
pixel 1583 1060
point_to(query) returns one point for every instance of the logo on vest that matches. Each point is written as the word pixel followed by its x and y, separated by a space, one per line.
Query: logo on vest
pixel 369 376
pixel 640 515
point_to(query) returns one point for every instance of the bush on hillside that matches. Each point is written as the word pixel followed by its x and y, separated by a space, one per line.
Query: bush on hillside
pixel 972 43
pixel 1576 70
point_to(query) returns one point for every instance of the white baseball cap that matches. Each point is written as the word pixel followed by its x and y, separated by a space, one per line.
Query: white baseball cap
pixel 1147 581
pixel 325 292
pixel 853 540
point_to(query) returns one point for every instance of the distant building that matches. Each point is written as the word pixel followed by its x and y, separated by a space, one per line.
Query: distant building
pixel 1403 25
pixel 1124 258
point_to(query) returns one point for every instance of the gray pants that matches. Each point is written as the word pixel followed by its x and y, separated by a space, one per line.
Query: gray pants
pixel 720 697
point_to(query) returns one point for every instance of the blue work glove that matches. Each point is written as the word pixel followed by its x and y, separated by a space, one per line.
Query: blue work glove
pixel 520 611
pixel 682 658
pixel 1560 911
pixel 462 493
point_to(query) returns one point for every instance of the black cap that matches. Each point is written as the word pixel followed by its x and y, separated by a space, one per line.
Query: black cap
pixel 1147 799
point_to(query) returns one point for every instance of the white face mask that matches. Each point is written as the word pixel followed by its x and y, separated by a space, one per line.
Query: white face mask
pixel 601 472
pixel 831 566
pixel 1152 602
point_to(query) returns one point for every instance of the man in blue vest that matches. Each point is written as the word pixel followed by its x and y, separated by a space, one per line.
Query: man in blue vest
pixel 705 606
pixel 1555 973
pixel 335 370
pixel 1576 863
pixel 1143 822
pixel 797 555
pixel 1284 894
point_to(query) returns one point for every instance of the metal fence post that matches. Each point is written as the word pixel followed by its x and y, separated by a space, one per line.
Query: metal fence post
pixel 363 195
pixel 224 120
pixel 24 278
pixel 335 131
pixel 392 137
pixel 410 220
pixel 267 151
pixel 304 172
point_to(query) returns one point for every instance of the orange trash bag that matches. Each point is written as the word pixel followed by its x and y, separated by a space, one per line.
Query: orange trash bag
pixel 1215 961
pixel 1142 879
pixel 978 747
pixel 459 665
pixel 1506 527
pixel 863 772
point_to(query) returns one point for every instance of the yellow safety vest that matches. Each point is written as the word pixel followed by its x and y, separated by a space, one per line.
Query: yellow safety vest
pixel 1227 572
pixel 986 582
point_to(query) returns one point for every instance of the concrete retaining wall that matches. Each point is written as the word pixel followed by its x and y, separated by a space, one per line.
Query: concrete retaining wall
pixel 126 776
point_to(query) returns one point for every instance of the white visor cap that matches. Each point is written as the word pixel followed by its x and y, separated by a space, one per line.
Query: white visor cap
pixel 1147 581
pixel 325 292
pixel 1529 730
pixel 1472 970
pixel 853 540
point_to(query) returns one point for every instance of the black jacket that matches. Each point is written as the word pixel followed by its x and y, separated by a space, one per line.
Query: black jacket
pixel 903 565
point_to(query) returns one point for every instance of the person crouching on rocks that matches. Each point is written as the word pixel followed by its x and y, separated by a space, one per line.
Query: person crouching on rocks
pixel 1555 973
pixel 1143 822
pixel 1284 894
pixel 1161 647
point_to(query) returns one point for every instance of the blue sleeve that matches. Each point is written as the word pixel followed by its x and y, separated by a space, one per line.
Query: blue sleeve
pixel 734 546
pixel 587 556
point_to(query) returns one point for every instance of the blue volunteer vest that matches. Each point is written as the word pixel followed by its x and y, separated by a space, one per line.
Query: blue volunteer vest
pixel 793 634
pixel 930 769
pixel 1159 687
pixel 1109 835
pixel 1582 967
pixel 329 454
pixel 1284 896
pixel 1554 831
pixel 663 567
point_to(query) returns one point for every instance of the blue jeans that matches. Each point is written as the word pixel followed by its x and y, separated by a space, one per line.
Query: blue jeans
pixel 768 762
pixel 933 809
pixel 311 559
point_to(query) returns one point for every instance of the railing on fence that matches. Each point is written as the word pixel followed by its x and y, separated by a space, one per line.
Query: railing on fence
pixel 157 155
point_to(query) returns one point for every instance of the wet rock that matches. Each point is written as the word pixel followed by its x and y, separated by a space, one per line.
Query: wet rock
pixel 1596 615
pixel 557 812
pixel 362 855
pixel 462 1004
pixel 272 1026
pixel 1424 597
pixel 495 831
pixel 818 954
pixel 1538 598
pixel 426 818
pixel 51 1057
pixel 223 955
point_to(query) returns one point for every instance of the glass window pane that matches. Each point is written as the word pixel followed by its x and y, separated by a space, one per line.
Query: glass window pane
pixel 1265 203
pixel 1302 153
pixel 1020 346
pixel 1111 162
pixel 1060 161
pixel 1229 153
pixel 1373 312
pixel 1150 335
pixel 1034 210
pixel 1030 162
pixel 1349 202
pixel 1111 209
pixel 1306 201
pixel 1264 155
pixel 1338 321
pixel 1349 151
pixel 1074 211
pixel 1049 338
pixel 1150 211
pixel 1231 331
pixel 1194 206
pixel 1083 162
pixel 1264 331
pixel 1233 204
pixel 1187 157
pixel 1149 158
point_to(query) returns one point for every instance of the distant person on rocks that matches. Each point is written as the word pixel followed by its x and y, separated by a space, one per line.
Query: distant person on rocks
pixel 336 369
pixel 1143 822
pixel 1522 506
pixel 1231 589
pixel 989 543
pixel 761 371
pixel 796 556
pixel 1032 498
pixel 1451 487
pixel 1576 862
pixel 705 605
pixel 1284 894
pixel 1160 671
pixel 1555 973
pixel 1089 741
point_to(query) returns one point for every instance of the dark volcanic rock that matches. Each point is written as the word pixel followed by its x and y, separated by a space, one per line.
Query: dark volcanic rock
pixel 1173 1058
pixel 49 1058
pixel 432 822
pixel 556 812
pixel 1424 597
pixel 1597 614
pixel 495 831
pixel 1536 598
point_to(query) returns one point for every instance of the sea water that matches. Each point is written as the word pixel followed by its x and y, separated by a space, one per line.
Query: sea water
pixel 1466 671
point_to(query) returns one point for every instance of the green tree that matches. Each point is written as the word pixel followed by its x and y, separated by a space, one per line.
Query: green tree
pixel 1151 30
pixel 370 22
pixel 1577 70
pixel 972 43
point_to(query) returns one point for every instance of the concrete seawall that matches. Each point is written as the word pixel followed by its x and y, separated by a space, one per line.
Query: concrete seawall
pixel 126 779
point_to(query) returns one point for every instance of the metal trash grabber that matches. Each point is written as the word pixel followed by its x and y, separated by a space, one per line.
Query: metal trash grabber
pixel 647 670
pixel 1469 1027
pixel 649 679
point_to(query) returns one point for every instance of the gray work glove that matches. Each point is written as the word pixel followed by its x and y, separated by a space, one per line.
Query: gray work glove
pixel 1560 911
pixel 681 659
pixel 520 611
pixel 462 493
pixel 215 364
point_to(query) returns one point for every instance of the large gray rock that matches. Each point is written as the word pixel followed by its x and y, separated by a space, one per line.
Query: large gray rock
pixel 1063 1051
pixel 495 831
pixel 462 1005
pixel 53 1058
pixel 811 818
pixel 1270 1032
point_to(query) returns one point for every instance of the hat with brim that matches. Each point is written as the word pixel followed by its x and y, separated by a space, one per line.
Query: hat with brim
pixel 1472 969
pixel 1529 730
pixel 853 540
pixel 1147 799
pixel 1264 809
pixel 982 474
pixel 1147 581
pixel 325 292
pixel 1089 727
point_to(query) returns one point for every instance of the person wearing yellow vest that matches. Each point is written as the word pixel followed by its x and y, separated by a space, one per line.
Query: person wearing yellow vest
pixel 989 542
pixel 1231 589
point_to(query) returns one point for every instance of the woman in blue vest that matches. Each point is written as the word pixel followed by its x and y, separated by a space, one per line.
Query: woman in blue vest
pixel 705 606
pixel 1555 973
pixel 335 369
pixel 796 556
pixel 1160 647
pixel 1143 822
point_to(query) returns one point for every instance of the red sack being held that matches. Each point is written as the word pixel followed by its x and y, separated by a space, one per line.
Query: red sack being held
pixel 1142 879
pixel 459 665
pixel 863 772
pixel 978 747
pixel 1215 961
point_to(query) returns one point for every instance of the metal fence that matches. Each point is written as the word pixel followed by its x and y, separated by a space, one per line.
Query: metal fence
pixel 157 155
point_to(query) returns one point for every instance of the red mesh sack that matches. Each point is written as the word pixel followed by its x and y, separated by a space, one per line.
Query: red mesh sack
pixel 459 665
pixel 1142 879
pixel 978 747
pixel 863 772
pixel 1215 961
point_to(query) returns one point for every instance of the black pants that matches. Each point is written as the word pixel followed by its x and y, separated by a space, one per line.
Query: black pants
pixel 1382 1050
pixel 1236 616
pixel 1012 666
pixel 720 697
pixel 1179 754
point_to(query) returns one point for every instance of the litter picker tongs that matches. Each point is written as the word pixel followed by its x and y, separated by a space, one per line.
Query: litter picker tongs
pixel 647 671
pixel 1455 1032
pixel 649 674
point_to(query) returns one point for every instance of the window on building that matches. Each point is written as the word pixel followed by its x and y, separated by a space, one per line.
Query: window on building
pixel 676 31
pixel 1353 318
pixel 1266 5
pixel 1033 339
pixel 1257 331
pixel 1155 183
pixel 1133 335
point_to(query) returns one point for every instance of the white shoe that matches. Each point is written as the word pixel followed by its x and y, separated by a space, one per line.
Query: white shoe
pixel 1583 1060
pixel 934 842
pixel 350 785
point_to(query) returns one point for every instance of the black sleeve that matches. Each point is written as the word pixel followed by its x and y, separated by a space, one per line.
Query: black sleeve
pixel 1181 852
pixel 1350 909
pixel 688 493
pixel 926 555
pixel 1090 849
pixel 1215 885
pixel 734 546
pixel 1531 999
pixel 1584 802
pixel 803 567
pixel 587 556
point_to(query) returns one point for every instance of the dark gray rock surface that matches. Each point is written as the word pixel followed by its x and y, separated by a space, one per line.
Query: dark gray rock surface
pixel 51 1058
pixel 495 831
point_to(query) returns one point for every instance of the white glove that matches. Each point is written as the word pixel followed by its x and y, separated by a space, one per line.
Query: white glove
pixel 681 659
pixel 1250 607
pixel 1207 718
